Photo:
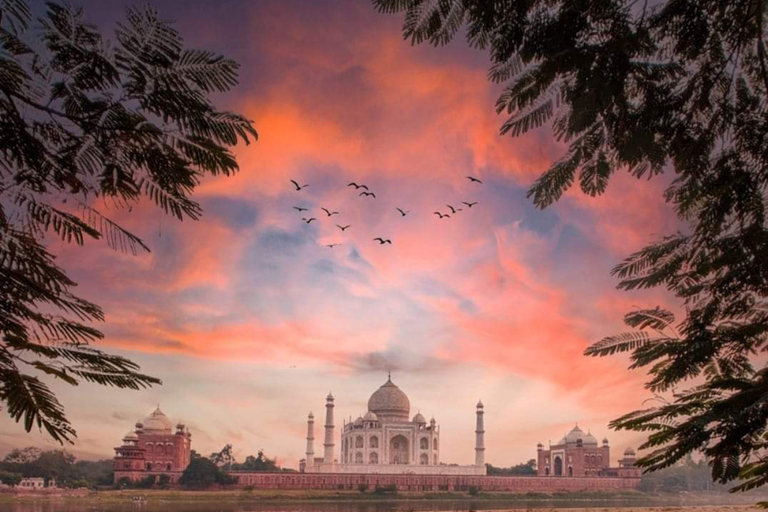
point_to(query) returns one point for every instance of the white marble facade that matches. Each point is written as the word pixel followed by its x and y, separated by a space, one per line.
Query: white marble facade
pixel 384 440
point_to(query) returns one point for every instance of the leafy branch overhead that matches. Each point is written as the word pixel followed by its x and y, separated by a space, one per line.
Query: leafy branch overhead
pixel 89 126
pixel 645 88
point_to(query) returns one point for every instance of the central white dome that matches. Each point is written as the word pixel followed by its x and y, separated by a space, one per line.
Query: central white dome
pixel 390 402
pixel 158 421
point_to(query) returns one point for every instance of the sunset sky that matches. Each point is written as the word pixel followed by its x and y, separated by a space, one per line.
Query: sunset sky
pixel 250 320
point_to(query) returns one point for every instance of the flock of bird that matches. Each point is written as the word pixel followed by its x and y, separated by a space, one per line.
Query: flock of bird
pixel 367 193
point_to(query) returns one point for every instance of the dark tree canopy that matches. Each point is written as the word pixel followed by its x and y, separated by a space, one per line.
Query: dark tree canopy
pixel 647 87
pixel 89 126
pixel 203 473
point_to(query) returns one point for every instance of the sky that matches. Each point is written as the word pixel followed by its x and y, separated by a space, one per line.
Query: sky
pixel 250 320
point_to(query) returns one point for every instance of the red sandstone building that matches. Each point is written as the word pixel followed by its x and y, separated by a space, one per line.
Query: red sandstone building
pixel 153 448
pixel 578 455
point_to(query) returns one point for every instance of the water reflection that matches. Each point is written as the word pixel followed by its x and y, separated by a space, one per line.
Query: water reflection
pixel 306 506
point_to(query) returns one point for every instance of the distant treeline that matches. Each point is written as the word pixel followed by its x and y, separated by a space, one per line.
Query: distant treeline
pixel 67 471
pixel 529 468
pixel 54 464
pixel 688 475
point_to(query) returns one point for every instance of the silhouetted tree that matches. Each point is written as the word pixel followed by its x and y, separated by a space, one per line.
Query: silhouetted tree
pixel 645 87
pixel 258 463
pixel 202 473
pixel 10 479
pixel 224 457
pixel 528 468
pixel 85 126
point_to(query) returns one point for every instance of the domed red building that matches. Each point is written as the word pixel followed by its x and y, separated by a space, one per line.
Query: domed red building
pixel 578 454
pixel 153 448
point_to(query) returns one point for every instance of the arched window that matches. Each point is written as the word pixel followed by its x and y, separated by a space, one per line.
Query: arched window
pixel 546 471
pixel 168 467
pixel 149 466
pixel 570 470
pixel 374 458
pixel 374 442
pixel 169 449
pixel 359 458
pixel 424 443
pixel 359 442
pixel 558 466
pixel 423 459
pixel 434 444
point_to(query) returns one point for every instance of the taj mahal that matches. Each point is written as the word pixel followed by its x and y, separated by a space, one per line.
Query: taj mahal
pixel 387 440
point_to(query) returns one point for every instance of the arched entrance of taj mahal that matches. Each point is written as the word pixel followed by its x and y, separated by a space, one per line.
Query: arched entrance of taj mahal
pixel 398 450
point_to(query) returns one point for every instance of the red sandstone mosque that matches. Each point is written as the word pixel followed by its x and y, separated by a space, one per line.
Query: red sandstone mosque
pixel 578 455
pixel 153 447
pixel 407 456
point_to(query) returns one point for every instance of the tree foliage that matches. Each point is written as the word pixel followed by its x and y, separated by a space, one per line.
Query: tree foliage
pixel 643 88
pixel 88 128
pixel 260 462
pixel 527 468
pixel 59 465
pixel 202 473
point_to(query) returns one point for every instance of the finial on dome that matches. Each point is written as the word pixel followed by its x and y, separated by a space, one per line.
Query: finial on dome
pixel 479 404
pixel 389 376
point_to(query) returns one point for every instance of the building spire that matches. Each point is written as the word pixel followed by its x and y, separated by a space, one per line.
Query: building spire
pixel 480 436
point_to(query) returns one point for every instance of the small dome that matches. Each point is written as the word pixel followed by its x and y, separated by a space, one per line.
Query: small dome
pixel 590 440
pixel 574 435
pixel 311 415
pixel 479 404
pixel 629 452
pixel 432 421
pixel 370 416
pixel 157 421
pixel 359 420
pixel 605 440
pixel 390 401
pixel 419 418
pixel 131 436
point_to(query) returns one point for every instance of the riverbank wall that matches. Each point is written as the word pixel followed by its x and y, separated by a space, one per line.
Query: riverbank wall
pixel 461 483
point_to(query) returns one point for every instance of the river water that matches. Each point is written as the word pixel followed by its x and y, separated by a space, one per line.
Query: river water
pixel 336 506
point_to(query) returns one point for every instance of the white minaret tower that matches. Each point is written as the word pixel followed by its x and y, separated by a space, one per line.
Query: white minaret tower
pixel 328 444
pixel 310 441
pixel 480 437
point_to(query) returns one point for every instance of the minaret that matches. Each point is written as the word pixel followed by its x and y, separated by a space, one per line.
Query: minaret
pixel 328 444
pixel 480 437
pixel 310 441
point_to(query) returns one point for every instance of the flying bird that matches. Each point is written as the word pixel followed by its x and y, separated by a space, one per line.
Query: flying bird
pixel 469 205
pixel 383 241
pixel 330 213
pixel 353 184
pixel 343 228
pixel 453 210
pixel 299 209
pixel 403 213
pixel 331 246
pixel 298 187
pixel 441 215
pixel 308 220
pixel 367 194
pixel 474 180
